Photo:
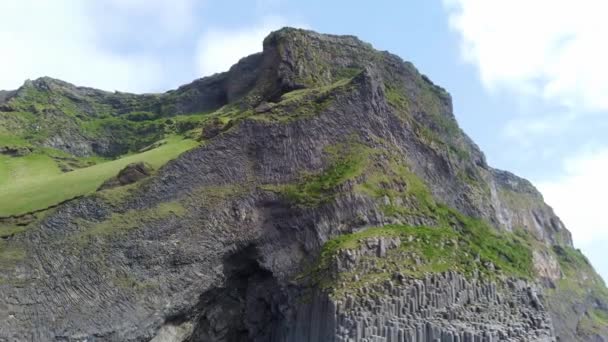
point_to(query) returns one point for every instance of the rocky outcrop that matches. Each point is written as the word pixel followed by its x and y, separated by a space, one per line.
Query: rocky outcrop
pixel 130 174
pixel 519 205
pixel 15 151
pixel 445 307
pixel 216 245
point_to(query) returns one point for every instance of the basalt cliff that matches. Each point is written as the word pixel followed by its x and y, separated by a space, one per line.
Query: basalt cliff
pixel 320 190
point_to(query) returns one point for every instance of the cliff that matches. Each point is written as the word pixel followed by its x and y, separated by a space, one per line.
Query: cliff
pixel 326 193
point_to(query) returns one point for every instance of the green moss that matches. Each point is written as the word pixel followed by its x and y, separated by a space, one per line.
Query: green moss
pixel 595 321
pixel 346 161
pixel 579 284
pixel 406 192
pixel 18 225
pixel 127 281
pixel 117 196
pixel 455 242
pixel 347 73
pixel 507 251
pixel 517 200
pixel 127 136
pixel 422 240
pixel 41 114
pixel 408 195
pixel 9 140
pixel 436 128
pixel 578 276
pixel 431 101
pixel 424 250
pixel 303 103
pixel 395 96
pixel 10 254
pixel 10 230
pixel 120 223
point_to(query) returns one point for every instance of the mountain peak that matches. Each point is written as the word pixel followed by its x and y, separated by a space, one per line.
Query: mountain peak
pixel 304 36
pixel 288 193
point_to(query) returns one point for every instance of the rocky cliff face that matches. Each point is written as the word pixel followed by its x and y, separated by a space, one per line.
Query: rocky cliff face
pixel 334 198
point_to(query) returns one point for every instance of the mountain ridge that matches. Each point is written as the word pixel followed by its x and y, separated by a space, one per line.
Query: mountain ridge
pixel 315 138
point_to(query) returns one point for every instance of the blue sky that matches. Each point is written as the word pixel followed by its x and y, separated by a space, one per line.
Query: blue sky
pixel 529 84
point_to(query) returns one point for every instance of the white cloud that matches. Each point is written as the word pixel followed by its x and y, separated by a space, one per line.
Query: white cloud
pixel 579 198
pixel 525 130
pixel 62 39
pixel 579 195
pixel 219 49
pixel 550 48
pixel 155 21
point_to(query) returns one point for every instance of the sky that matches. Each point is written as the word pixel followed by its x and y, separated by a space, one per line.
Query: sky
pixel 528 78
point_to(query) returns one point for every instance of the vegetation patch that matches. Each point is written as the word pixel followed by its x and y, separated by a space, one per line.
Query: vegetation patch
pixel 474 249
pixel 595 321
pixel 407 194
pixel 10 230
pixel 127 281
pixel 16 171
pixel 579 283
pixel 346 161
pixel 395 96
pixel 455 242
pixel 48 187
pixel 120 223
pixel 436 128
pixel 10 254
pixel 302 103
pixel 517 200
pixel 118 195
pixel 578 276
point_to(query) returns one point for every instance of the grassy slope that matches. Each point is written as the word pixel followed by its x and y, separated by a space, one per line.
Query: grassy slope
pixel 34 182
pixel 16 171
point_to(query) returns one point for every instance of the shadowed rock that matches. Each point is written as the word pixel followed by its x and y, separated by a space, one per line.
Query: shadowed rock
pixel 132 173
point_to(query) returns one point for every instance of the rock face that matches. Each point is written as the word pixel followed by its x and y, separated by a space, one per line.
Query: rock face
pixel 327 137
pixel 445 306
pixel 130 174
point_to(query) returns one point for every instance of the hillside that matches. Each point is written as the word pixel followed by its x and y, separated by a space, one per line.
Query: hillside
pixel 320 190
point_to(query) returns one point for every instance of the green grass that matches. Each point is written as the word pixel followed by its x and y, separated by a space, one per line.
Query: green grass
pixel 304 103
pixel 579 283
pixel 18 171
pixel 43 186
pixel 453 242
pixel 119 223
pixel 396 98
pixel 510 252
pixel 6 231
pixel 438 128
pixel 397 181
pixel 346 161
pixel 7 139
pixel 428 250
pixel 594 322
pixel 41 114
pixel 10 254
pixel 578 276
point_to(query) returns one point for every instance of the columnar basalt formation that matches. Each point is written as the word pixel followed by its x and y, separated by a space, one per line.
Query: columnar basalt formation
pixel 439 307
